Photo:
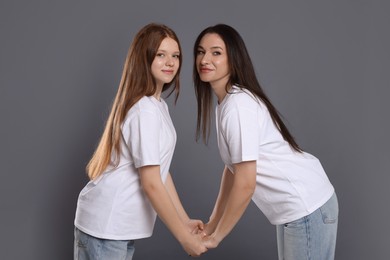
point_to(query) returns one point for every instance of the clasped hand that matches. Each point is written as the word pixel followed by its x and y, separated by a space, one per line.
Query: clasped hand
pixel 203 238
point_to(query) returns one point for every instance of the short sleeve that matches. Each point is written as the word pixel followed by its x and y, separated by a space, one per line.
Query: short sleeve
pixel 241 131
pixel 143 138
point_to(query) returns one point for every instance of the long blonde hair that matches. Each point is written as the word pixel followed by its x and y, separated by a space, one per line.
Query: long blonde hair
pixel 136 81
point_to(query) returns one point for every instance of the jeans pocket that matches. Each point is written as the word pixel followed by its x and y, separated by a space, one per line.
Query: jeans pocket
pixel 296 224
pixel 330 210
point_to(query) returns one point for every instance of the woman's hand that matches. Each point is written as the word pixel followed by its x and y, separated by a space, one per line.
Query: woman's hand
pixel 210 241
pixel 195 226
pixel 208 229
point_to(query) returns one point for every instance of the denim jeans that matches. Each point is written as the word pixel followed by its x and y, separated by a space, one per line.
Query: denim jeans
pixel 312 237
pixel 92 248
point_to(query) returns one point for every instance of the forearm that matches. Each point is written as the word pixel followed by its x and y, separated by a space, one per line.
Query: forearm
pixel 235 207
pixel 242 189
pixel 220 204
pixel 162 202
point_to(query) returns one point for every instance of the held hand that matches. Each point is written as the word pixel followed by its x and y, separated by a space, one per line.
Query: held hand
pixel 195 226
pixel 194 245
pixel 210 241
pixel 208 229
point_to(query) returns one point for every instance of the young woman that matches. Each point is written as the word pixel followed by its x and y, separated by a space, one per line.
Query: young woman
pixel 129 171
pixel 262 160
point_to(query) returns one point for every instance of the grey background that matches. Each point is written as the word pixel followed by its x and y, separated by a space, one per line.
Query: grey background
pixel 325 65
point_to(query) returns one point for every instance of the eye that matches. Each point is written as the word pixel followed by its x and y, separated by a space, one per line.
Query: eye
pixel 159 54
pixel 216 53
pixel 176 56
pixel 200 52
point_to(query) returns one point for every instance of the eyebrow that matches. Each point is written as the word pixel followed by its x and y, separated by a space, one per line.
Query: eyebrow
pixel 162 50
pixel 214 47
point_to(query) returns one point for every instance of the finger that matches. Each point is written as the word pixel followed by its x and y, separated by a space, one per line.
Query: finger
pixel 201 226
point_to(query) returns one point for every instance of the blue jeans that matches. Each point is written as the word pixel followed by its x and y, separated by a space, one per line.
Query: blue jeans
pixel 92 248
pixel 312 237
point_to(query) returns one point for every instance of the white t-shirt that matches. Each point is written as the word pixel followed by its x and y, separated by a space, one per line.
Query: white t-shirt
pixel 114 206
pixel 289 185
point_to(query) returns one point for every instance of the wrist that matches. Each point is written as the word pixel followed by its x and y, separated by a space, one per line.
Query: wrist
pixel 211 241
pixel 216 238
pixel 211 226
pixel 183 237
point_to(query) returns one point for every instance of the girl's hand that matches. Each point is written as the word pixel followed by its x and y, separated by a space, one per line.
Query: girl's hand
pixel 195 226
pixel 193 245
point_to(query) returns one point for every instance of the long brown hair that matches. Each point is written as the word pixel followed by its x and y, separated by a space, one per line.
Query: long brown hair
pixel 137 81
pixel 242 74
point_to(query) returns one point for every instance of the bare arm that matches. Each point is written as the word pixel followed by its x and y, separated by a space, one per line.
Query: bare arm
pixel 241 191
pixel 162 203
pixel 220 204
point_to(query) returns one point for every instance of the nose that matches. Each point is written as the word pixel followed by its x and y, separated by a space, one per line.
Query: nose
pixel 205 59
pixel 170 62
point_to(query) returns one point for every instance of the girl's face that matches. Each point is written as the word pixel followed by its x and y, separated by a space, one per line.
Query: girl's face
pixel 166 63
pixel 212 60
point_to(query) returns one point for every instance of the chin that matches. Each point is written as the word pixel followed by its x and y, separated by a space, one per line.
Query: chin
pixel 204 79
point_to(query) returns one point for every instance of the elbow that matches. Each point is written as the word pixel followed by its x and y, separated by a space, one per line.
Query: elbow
pixel 250 184
pixel 245 176
pixel 250 188
pixel 149 187
pixel 150 179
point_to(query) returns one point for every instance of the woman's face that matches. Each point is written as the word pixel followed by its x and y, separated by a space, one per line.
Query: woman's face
pixel 212 60
pixel 166 63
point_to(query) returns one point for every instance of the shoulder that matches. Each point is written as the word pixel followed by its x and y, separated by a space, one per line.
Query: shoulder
pixel 240 99
pixel 144 108
pixel 146 103
pixel 243 97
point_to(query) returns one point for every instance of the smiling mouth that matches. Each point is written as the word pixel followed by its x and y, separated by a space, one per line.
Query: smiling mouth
pixel 205 70
pixel 168 71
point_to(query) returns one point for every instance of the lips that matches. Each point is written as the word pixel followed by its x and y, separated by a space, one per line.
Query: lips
pixel 168 71
pixel 205 70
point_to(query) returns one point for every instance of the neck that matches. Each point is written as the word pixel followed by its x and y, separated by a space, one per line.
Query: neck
pixel 157 94
pixel 220 91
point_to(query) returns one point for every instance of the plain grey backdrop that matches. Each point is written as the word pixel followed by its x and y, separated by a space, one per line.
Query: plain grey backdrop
pixel 325 65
